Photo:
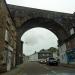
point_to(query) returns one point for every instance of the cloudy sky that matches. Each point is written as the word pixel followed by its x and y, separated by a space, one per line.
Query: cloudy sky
pixel 54 5
pixel 39 38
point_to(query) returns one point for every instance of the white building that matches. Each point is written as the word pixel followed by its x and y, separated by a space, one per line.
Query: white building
pixel 62 52
pixel 55 55
pixel 42 55
pixel 33 57
pixel 25 58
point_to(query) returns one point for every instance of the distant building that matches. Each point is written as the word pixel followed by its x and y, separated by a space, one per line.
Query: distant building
pixel 43 54
pixel 25 58
pixel 33 57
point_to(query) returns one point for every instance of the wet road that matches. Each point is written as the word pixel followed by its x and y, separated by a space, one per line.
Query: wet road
pixel 34 68
pixel 42 69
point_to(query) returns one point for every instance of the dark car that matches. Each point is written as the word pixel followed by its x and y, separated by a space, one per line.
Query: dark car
pixel 51 61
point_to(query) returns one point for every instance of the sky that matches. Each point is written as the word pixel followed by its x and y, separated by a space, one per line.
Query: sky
pixel 39 38
pixel 67 6
pixel 36 39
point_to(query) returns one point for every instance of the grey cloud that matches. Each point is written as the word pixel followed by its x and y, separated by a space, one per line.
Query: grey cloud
pixel 37 39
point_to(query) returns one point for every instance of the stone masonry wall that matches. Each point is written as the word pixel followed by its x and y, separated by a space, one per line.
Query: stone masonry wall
pixel 2 28
pixel 6 23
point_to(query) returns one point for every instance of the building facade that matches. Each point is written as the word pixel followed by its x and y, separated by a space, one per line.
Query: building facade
pixel 25 58
pixel 67 50
pixel 33 57
pixel 62 54
pixel 7 39
pixel 42 55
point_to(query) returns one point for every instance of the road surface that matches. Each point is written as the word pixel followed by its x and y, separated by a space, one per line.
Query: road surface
pixel 34 68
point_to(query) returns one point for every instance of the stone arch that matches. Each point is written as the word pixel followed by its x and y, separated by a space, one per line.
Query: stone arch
pixel 49 24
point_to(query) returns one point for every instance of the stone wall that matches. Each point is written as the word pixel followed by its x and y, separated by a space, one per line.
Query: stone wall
pixel 2 28
pixel 7 37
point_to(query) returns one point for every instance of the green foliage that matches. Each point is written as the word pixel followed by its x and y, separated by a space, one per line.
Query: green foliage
pixel 52 50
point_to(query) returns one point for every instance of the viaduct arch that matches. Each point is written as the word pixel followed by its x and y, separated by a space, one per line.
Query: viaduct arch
pixel 45 23
pixel 26 18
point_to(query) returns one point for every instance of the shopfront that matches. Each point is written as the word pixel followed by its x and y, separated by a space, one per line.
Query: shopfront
pixel 71 56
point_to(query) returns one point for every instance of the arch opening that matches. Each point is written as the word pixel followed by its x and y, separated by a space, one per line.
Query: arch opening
pixel 43 22
pixel 38 38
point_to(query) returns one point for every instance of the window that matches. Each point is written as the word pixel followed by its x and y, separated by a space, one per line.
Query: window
pixel 43 54
pixel 47 54
pixel 6 36
pixel 72 31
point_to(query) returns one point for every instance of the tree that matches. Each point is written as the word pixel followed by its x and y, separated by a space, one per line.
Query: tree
pixel 53 49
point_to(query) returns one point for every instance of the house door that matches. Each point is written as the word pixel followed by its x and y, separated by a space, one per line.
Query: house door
pixel 9 61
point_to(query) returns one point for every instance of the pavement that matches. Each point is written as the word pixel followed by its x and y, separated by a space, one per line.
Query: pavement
pixel 68 65
pixel 35 68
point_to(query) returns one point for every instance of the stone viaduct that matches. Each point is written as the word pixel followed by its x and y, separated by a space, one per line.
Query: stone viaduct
pixel 27 18
pixel 61 24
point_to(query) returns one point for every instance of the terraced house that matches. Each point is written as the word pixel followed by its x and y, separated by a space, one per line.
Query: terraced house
pixel 7 39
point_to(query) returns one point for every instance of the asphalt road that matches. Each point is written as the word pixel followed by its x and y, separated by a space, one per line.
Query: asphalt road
pixel 34 68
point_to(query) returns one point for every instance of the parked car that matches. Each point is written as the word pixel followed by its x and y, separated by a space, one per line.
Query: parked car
pixel 42 61
pixel 51 61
